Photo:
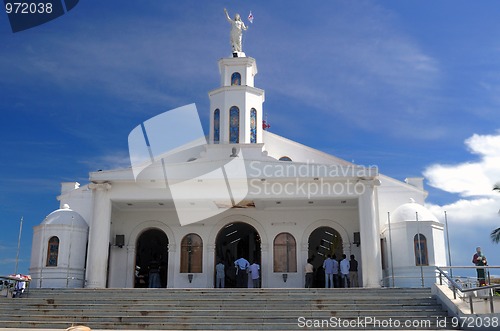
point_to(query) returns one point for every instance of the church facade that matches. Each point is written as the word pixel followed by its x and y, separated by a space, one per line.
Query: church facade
pixel 189 202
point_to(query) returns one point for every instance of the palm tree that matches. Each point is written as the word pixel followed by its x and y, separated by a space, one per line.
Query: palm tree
pixel 495 234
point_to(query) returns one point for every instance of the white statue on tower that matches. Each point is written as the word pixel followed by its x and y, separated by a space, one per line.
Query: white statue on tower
pixel 237 27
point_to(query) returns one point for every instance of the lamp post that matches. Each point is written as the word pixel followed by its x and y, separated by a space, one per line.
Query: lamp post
pixel 18 245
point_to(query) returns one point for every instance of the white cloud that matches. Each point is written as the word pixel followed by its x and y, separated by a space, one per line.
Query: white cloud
pixel 473 178
pixel 482 211
pixel 472 217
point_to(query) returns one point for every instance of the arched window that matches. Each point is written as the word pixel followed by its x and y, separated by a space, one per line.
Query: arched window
pixel 52 252
pixel 191 254
pixel 285 158
pixel 420 248
pixel 234 125
pixel 253 126
pixel 236 78
pixel 216 126
pixel 285 253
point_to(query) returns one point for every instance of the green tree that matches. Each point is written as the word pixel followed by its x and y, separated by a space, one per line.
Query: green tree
pixel 495 234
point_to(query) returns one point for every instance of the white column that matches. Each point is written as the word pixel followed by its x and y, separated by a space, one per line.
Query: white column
pixel 346 248
pixel 304 255
pixel 209 265
pixel 98 250
pixel 172 268
pixel 266 262
pixel 130 272
pixel 370 238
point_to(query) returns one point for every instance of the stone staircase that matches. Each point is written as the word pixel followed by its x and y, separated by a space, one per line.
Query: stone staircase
pixel 225 309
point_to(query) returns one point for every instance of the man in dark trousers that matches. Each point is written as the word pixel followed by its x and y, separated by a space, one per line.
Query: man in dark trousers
pixel 241 265
pixel 353 272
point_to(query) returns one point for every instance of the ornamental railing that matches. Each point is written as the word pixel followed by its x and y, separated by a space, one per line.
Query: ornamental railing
pixel 466 287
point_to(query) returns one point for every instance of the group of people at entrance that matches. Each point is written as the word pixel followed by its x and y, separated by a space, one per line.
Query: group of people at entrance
pixel 343 273
pixel 244 272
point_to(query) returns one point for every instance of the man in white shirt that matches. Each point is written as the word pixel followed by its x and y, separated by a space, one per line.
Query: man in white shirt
pixel 254 273
pixel 344 271
pixel 241 265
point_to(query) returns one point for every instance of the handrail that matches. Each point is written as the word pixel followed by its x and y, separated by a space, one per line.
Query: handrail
pixel 456 286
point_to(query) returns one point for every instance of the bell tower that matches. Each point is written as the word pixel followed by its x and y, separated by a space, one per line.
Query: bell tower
pixel 236 106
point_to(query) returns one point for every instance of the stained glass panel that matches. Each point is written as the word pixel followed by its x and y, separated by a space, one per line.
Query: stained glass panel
pixel 285 253
pixel 234 125
pixel 253 126
pixel 52 252
pixel 236 78
pixel 216 126
pixel 420 248
pixel 191 254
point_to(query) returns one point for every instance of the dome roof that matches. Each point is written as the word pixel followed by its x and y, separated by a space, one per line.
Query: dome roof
pixel 65 216
pixel 407 212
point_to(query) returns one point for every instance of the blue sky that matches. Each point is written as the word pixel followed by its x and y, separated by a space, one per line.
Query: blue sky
pixel 410 86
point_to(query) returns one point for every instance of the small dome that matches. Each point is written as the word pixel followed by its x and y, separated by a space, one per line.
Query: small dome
pixel 407 212
pixel 65 216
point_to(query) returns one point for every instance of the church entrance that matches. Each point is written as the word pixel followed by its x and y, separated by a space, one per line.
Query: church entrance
pixel 151 257
pixel 233 241
pixel 322 242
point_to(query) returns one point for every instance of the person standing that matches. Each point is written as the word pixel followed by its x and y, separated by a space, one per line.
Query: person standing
pixel 344 271
pixel 309 270
pixel 241 265
pixel 220 275
pixel 254 273
pixel 480 260
pixel 353 272
pixel 154 274
pixel 335 271
pixel 328 265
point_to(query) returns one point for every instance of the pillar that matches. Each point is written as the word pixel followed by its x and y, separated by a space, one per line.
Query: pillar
pixel 266 262
pixel 98 250
pixel 130 273
pixel 210 265
pixel 370 238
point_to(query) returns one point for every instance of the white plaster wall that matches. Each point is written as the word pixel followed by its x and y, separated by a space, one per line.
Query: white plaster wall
pixel 79 200
pixel 69 271
pixel 403 253
pixel 246 66
pixel 393 193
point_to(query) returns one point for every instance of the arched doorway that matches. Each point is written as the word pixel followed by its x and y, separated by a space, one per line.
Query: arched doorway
pixel 151 247
pixel 233 241
pixel 322 242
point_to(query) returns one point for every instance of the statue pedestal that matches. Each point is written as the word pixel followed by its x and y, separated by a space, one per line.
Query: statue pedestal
pixel 239 54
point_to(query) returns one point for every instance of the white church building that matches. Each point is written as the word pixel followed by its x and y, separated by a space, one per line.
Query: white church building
pixel 189 201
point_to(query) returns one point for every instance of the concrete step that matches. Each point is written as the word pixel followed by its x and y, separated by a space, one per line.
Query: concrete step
pixel 218 309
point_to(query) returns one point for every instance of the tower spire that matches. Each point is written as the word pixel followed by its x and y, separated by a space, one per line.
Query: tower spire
pixel 236 106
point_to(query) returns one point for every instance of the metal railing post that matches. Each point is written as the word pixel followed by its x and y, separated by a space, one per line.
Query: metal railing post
pixel 471 305
pixel 492 307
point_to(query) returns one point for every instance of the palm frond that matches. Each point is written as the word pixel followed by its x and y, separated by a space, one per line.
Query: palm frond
pixel 495 235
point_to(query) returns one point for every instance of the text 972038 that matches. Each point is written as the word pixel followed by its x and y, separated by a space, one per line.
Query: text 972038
pixel 28 7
